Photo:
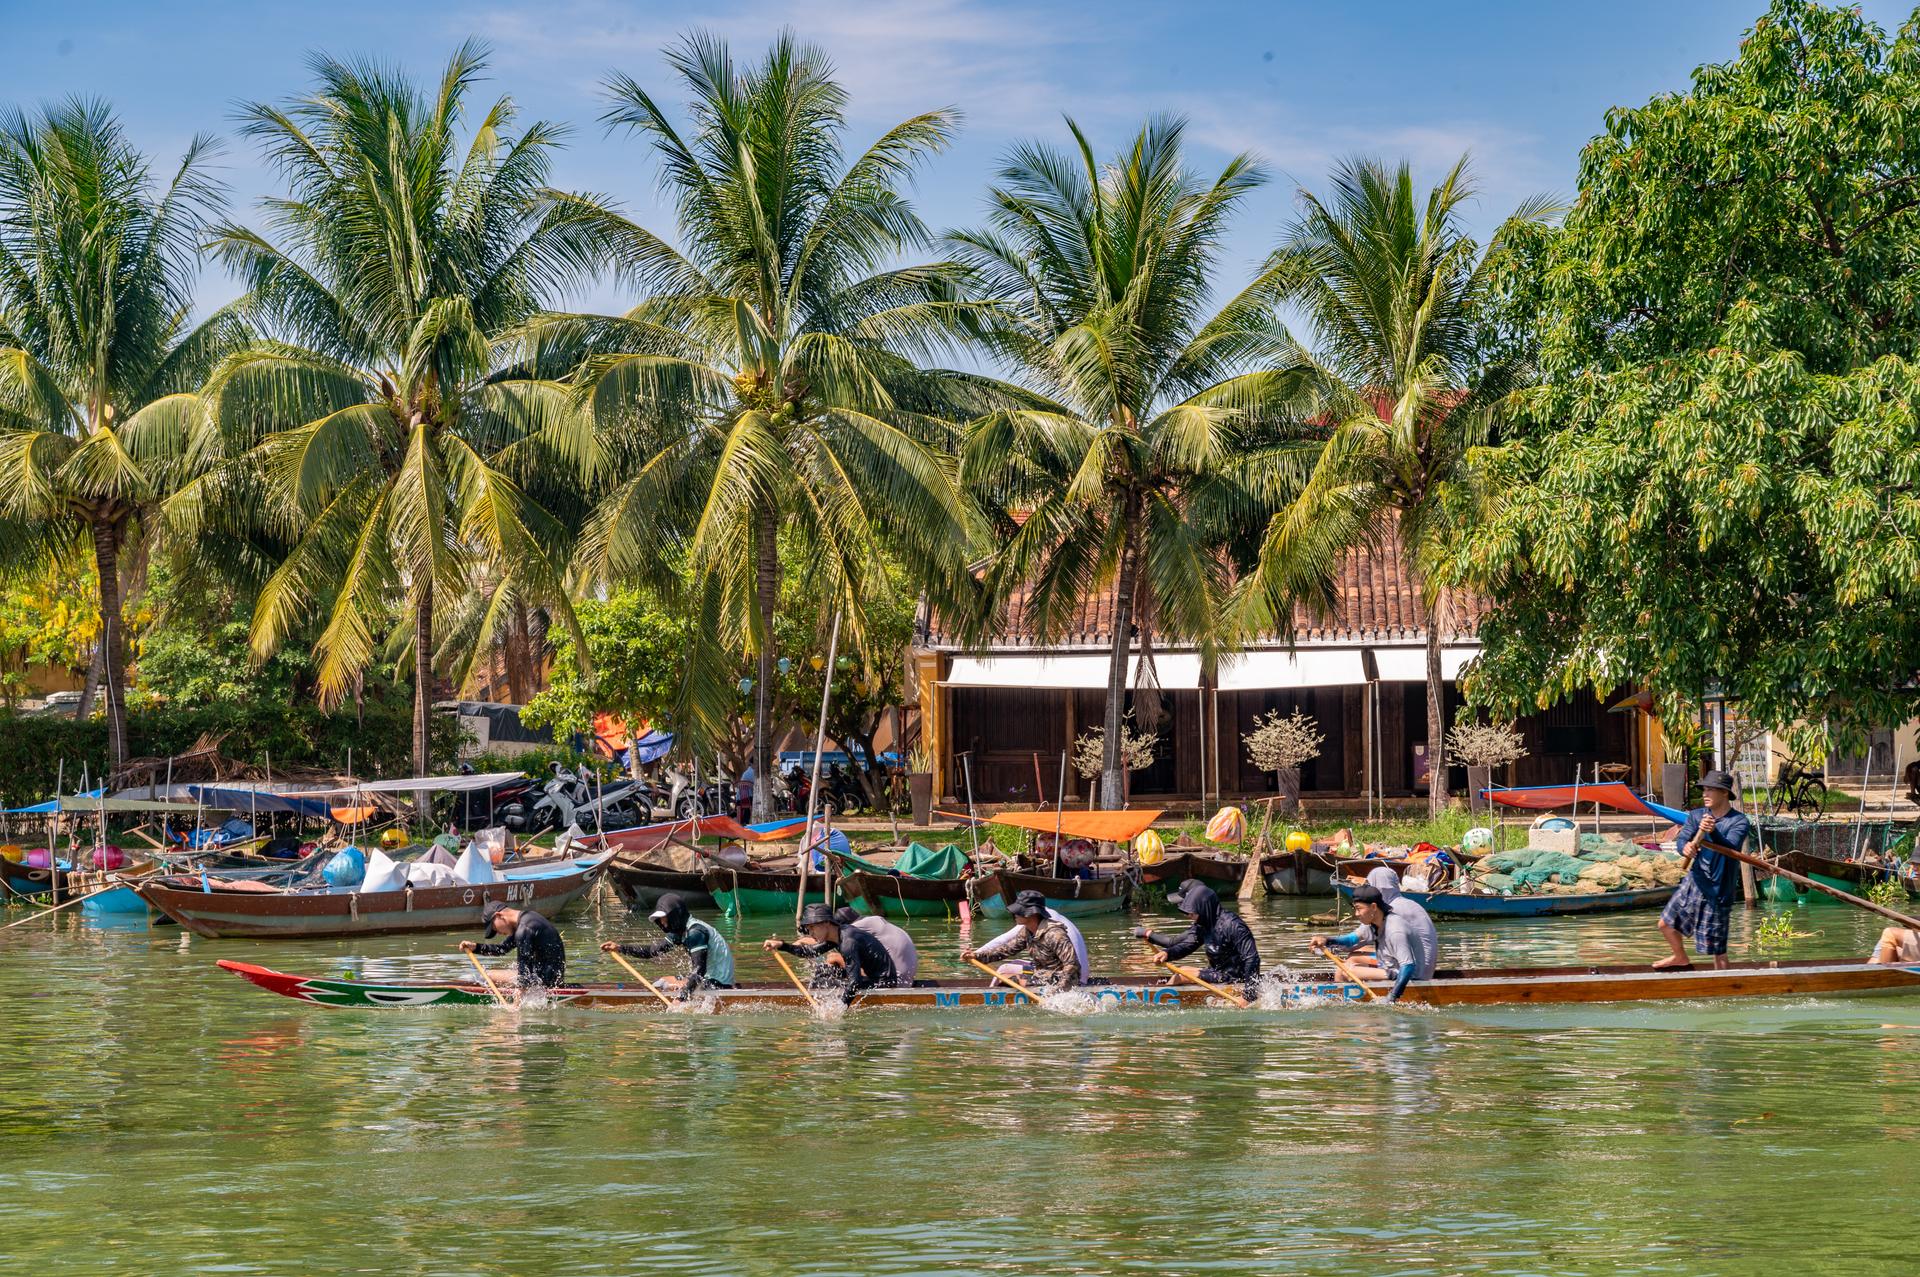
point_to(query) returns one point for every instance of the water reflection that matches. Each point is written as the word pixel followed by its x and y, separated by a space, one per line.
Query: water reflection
pixel 160 1115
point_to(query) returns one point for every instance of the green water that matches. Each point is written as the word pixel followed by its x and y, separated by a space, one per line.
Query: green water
pixel 161 1116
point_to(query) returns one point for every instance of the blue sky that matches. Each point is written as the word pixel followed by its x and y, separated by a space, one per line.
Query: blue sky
pixel 1522 85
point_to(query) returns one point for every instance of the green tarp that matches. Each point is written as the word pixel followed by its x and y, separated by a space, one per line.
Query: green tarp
pixel 917 861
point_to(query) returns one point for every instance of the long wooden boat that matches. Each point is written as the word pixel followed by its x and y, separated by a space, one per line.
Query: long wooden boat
pixel 1505 986
pixel 1854 876
pixel 903 896
pixel 993 891
pixel 641 885
pixel 27 882
pixel 754 890
pixel 1298 873
pixel 217 912
pixel 1454 904
pixel 1215 868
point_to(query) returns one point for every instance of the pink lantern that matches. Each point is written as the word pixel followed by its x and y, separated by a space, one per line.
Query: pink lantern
pixel 109 857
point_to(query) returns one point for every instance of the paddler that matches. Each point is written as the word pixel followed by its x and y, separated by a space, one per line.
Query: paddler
pixel 1703 906
pixel 1232 955
pixel 540 953
pixel 1398 953
pixel 849 960
pixel 710 960
pixel 1383 879
pixel 895 940
pixel 1016 968
pixel 1041 937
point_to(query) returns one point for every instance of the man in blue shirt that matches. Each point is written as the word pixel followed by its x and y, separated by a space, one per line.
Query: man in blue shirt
pixel 1703 906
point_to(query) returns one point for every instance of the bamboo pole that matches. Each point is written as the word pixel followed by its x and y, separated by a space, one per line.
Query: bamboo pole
pixel 18 922
pixel 485 977
pixel 1059 813
pixel 1006 980
pixel 813 787
pixel 1194 978
pixel 1835 892
pixel 1251 877
pixel 650 986
pixel 794 976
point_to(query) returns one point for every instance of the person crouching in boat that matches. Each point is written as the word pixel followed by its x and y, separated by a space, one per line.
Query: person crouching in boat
pixel 1703 906
pixel 711 961
pixel 895 940
pixel 1020 967
pixel 1383 879
pixel 1399 955
pixel 1897 945
pixel 537 948
pixel 1042 938
pixel 1232 956
pixel 847 960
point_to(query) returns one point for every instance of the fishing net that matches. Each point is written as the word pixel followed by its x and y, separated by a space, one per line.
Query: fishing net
pixel 1604 863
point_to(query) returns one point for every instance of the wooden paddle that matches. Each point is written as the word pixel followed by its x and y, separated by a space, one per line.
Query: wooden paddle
pixel 651 987
pixel 485 978
pixel 1007 980
pixel 1194 977
pixel 794 976
pixel 1835 892
pixel 1346 973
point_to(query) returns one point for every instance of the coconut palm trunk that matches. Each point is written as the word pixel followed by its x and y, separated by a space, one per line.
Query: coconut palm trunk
pixel 1436 722
pixel 767 592
pixel 113 673
pixel 1113 761
pixel 423 678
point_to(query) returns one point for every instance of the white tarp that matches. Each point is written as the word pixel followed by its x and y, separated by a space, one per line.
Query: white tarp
pixel 436 784
pixel 1174 671
pixel 1409 664
pixel 1304 667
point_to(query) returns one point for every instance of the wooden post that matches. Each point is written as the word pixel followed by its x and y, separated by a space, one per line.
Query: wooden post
pixel 813 788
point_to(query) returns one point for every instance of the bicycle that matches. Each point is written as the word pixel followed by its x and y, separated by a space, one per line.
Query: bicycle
pixel 1797 790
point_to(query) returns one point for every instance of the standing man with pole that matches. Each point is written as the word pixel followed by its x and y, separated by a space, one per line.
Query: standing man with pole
pixel 1703 906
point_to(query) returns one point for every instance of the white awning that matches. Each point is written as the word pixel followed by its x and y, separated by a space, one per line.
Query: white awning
pixel 1174 671
pixel 1409 664
pixel 1260 671
pixel 436 784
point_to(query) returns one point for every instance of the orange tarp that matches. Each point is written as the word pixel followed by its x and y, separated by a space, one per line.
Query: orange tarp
pixel 1102 826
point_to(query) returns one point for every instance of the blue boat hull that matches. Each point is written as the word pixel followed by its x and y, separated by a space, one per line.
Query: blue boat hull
pixel 1451 905
pixel 119 900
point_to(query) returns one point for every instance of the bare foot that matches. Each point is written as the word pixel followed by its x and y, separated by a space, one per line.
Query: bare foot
pixel 1673 964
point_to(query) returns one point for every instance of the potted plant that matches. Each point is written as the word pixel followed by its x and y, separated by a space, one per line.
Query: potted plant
pixel 1279 745
pixel 920 783
pixel 1684 739
pixel 1137 751
pixel 1483 747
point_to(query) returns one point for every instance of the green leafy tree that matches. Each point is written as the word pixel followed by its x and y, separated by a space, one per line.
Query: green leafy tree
pixel 636 663
pixel 1140 454
pixel 1403 384
pixel 49 620
pixel 768 387
pixel 396 259
pixel 1725 487
pixel 97 360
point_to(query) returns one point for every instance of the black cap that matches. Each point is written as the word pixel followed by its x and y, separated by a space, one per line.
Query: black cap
pixel 1022 907
pixel 1182 896
pixel 815 914
pixel 1717 779
pixel 490 911
pixel 1032 897
pixel 1368 894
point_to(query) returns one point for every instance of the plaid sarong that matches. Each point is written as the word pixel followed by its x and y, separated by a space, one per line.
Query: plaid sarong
pixel 1691 913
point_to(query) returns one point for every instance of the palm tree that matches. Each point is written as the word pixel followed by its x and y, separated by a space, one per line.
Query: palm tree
pixel 393 460
pixel 1404 386
pixel 97 359
pixel 1147 444
pixel 766 391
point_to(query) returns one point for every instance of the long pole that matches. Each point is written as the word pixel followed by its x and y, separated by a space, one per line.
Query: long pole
pixel 1800 880
pixel 973 821
pixel 53 831
pixel 650 986
pixel 813 786
pixel 1866 781
pixel 1059 813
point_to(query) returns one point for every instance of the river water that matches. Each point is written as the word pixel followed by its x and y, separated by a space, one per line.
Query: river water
pixel 161 1116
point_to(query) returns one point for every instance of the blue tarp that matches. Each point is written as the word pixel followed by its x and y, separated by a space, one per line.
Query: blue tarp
pixel 265 801
pixel 52 805
pixel 652 747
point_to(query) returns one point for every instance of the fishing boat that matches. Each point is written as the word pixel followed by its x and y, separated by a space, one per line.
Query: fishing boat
pixel 1500 986
pixel 641 883
pixel 769 887
pixel 993 891
pixel 1461 904
pixel 1856 876
pixel 254 909
pixel 660 858
pixel 920 882
pixel 1217 869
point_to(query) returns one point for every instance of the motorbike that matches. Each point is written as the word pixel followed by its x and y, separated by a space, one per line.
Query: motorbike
pixel 562 794
pixel 478 808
